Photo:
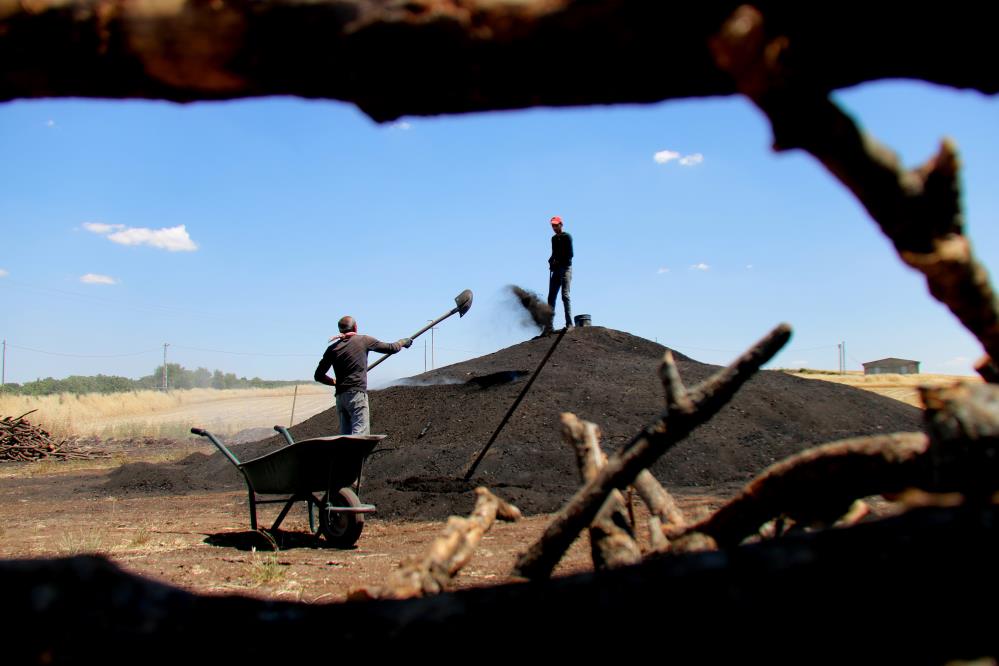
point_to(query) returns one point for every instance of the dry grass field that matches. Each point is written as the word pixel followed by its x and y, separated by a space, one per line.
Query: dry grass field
pixel 898 387
pixel 171 414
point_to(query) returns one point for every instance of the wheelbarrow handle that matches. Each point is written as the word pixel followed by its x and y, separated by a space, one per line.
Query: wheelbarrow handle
pixel 221 447
pixel 285 433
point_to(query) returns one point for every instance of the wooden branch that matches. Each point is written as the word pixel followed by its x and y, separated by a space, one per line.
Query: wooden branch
pixel 934 560
pixel 20 441
pixel 919 210
pixel 612 544
pixel 661 504
pixel 448 554
pixel 676 393
pixel 963 424
pixel 818 486
pixel 424 57
pixel 638 454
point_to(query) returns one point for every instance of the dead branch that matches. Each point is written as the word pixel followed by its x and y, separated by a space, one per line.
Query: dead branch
pixel 676 393
pixel 459 56
pixel 448 554
pixel 820 485
pixel 662 506
pixel 638 454
pixel 611 542
pixel 21 441
pixel 963 425
pixel 919 210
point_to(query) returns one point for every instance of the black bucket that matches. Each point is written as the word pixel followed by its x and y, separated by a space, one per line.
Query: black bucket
pixel 582 320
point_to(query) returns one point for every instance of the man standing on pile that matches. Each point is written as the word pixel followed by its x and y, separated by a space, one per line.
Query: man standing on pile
pixel 560 265
pixel 348 355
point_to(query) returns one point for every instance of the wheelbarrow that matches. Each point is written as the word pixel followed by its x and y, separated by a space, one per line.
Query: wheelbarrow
pixel 327 465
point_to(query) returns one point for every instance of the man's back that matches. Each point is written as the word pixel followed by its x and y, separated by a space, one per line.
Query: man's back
pixel 349 359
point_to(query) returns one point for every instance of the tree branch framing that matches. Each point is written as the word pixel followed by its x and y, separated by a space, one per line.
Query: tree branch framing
pixel 428 57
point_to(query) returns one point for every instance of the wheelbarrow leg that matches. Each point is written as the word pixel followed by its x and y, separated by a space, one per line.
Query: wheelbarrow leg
pixel 253 510
pixel 309 501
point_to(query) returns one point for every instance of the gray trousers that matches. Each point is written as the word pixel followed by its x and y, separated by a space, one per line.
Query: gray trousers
pixel 352 408
pixel 560 279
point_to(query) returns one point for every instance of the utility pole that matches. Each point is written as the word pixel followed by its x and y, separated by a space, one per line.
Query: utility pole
pixel 166 382
pixel 3 366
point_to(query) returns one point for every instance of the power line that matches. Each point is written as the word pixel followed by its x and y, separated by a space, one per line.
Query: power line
pixel 147 351
pixel 235 353
pixel 163 309
pixel 739 351
pixel 52 353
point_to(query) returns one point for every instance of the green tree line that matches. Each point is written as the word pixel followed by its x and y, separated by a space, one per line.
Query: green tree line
pixel 178 377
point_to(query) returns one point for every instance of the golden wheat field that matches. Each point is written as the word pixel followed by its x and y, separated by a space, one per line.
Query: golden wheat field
pixel 170 414
pixel 899 387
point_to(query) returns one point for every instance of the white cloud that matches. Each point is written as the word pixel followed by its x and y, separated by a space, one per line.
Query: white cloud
pixel 691 160
pixel 749 267
pixel 400 125
pixel 662 270
pixel 3 273
pixel 664 156
pixel 50 123
pixel 172 239
pixel 101 228
pixel 958 362
pixel 700 267
pixel 94 278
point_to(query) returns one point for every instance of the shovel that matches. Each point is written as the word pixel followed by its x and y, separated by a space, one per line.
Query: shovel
pixel 463 302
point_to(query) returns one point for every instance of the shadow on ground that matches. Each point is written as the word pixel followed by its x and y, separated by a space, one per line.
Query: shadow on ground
pixel 268 540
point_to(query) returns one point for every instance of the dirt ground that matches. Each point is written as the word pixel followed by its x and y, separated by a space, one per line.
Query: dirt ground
pixel 176 511
pixel 201 541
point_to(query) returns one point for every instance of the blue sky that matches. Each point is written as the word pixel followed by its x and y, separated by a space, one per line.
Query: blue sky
pixel 239 232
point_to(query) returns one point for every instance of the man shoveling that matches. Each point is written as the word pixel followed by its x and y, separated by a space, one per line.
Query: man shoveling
pixel 348 356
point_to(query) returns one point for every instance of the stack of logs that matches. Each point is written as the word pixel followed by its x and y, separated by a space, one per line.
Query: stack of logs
pixel 23 442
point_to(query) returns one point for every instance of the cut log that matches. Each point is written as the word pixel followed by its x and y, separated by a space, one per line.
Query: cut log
pixel 612 543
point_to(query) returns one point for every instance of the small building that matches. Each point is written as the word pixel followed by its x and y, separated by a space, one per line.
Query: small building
pixel 895 366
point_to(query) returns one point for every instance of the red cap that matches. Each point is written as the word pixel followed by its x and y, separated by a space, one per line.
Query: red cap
pixel 556 220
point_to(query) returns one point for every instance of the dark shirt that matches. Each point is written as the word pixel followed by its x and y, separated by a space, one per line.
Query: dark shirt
pixel 349 360
pixel 561 251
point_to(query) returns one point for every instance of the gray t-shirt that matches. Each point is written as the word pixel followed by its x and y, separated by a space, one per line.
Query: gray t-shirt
pixel 349 360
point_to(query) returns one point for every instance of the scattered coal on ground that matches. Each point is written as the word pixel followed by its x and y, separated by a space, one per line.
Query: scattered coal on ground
pixel 606 376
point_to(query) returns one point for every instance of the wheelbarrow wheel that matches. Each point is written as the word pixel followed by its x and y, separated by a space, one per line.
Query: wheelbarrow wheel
pixel 340 528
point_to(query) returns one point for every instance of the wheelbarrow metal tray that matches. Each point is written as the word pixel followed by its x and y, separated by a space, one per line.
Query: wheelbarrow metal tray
pixel 310 465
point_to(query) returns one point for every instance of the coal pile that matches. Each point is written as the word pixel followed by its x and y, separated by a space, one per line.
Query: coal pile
pixel 436 428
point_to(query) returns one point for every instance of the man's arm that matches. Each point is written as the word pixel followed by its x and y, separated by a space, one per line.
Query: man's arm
pixel 388 347
pixel 322 369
